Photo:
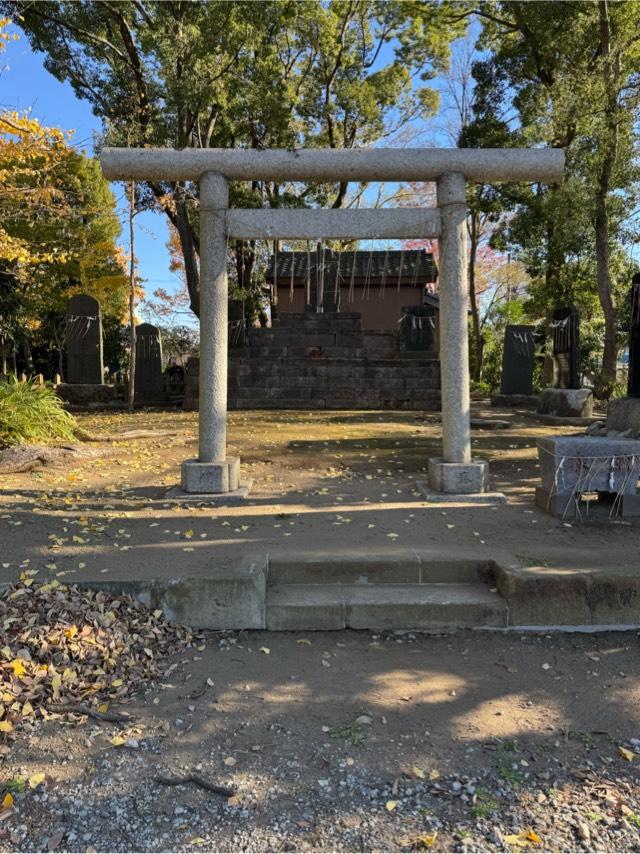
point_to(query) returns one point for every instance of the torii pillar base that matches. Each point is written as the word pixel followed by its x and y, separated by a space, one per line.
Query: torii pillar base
pixel 215 478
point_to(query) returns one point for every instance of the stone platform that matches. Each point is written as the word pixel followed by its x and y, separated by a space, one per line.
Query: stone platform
pixel 325 361
pixel 571 466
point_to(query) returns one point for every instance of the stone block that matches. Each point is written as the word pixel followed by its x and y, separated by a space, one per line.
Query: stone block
pixel 557 503
pixel 623 413
pixel 458 478
pixel 202 478
pixel 226 598
pixel 544 596
pixel 588 464
pixel 566 402
pixel 614 597
pixel 289 612
pixel 86 394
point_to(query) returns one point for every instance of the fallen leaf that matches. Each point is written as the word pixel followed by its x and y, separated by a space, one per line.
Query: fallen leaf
pixel 391 805
pixel 18 667
pixel 7 801
pixel 6 726
pixel 522 839
pixel 426 840
pixel 265 649
pixel 36 780
pixel 434 774
pixel 417 772
pixel 118 741
pixel 629 755
pixel 197 840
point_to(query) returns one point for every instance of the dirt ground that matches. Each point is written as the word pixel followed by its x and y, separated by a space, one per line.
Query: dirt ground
pixel 351 741
pixel 321 480
pixel 333 741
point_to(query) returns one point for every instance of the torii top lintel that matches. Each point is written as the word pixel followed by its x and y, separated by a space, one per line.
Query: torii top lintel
pixel 311 164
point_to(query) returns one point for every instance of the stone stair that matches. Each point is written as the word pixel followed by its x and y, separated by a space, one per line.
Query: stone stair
pixel 406 591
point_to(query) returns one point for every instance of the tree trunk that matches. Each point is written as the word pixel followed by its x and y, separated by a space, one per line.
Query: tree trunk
pixel 478 340
pixel 610 76
pixel 607 378
pixel 132 300
pixel 190 254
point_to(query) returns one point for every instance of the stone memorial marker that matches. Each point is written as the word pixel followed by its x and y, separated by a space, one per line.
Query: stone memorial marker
pixel 148 379
pixel 518 360
pixel 565 331
pixel 83 338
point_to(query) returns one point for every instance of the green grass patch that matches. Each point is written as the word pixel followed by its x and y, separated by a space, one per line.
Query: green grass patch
pixel 504 767
pixel 352 733
pixel 484 805
pixel 31 414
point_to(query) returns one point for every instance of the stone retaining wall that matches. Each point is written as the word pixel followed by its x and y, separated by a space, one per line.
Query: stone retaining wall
pixel 325 361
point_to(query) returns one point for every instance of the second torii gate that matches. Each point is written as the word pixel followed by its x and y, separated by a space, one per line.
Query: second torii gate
pixel 455 471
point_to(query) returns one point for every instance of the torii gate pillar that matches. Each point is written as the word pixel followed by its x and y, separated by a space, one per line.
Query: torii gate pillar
pixel 213 472
pixel 455 471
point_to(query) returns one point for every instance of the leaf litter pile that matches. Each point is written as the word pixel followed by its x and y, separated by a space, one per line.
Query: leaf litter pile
pixel 65 650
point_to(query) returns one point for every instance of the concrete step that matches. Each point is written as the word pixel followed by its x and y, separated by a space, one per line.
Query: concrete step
pixel 401 567
pixel 422 607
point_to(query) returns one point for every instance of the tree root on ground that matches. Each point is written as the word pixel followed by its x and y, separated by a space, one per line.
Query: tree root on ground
pixel 78 709
pixel 196 779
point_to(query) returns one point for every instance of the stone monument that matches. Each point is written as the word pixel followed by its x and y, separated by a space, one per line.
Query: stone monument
pixel 148 378
pixel 565 332
pixel 518 360
pixel 83 338
pixel 566 399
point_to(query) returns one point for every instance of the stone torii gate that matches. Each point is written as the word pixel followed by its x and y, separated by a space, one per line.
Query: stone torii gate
pixel 455 471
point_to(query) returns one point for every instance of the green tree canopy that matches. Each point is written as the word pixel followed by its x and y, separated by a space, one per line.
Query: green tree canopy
pixel 567 75
pixel 341 73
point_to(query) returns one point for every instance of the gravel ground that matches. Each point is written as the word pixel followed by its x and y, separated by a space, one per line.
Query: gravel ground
pixel 349 741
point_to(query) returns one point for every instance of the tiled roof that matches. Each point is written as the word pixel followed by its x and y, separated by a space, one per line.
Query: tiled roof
pixel 409 265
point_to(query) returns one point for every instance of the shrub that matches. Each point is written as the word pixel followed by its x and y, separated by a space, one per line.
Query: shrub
pixel 31 414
